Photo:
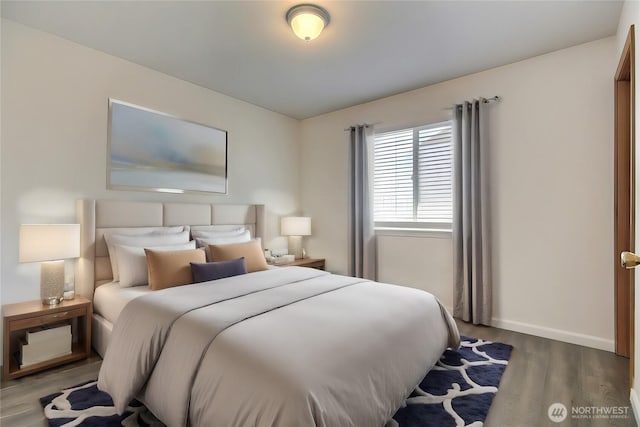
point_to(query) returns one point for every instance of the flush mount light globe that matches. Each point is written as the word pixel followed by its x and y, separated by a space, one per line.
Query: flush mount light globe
pixel 307 20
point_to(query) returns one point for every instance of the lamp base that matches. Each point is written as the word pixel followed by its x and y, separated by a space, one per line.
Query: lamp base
pixel 52 282
pixel 52 301
pixel 295 246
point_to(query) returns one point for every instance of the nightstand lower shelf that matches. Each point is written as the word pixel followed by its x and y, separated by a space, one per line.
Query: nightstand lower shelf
pixel 15 371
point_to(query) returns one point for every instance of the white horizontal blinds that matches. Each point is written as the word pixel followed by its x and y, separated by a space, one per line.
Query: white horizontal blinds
pixel 413 176
pixel 435 164
pixel 393 170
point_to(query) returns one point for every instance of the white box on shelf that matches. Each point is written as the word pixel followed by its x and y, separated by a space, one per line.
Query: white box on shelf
pixel 46 333
pixel 45 350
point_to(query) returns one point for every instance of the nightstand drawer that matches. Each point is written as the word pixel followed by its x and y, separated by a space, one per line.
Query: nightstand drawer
pixel 33 322
pixel 305 262
pixel 319 264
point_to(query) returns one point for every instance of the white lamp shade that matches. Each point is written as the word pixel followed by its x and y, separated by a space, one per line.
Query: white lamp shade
pixel 307 26
pixel 49 242
pixel 307 20
pixel 295 226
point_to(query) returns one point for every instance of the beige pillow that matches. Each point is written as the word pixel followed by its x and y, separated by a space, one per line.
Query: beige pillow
pixel 171 268
pixel 132 262
pixel 251 251
pixel 204 242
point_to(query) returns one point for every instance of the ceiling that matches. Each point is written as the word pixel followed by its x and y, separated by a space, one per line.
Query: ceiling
pixel 371 49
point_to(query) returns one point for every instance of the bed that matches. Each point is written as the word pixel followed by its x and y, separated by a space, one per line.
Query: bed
pixel 280 347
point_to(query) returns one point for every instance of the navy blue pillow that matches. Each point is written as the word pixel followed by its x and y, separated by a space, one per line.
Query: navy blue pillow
pixel 203 272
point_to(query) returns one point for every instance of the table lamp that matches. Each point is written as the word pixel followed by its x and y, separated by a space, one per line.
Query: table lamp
pixel 295 227
pixel 50 244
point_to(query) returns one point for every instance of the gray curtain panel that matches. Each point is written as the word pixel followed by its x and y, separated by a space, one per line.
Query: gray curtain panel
pixel 362 243
pixel 471 246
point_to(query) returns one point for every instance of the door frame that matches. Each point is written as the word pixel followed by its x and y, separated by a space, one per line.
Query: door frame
pixel 624 195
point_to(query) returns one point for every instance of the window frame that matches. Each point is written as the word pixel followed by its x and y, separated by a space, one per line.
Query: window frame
pixel 417 227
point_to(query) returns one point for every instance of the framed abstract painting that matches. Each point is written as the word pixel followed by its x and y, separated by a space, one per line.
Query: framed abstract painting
pixel 154 151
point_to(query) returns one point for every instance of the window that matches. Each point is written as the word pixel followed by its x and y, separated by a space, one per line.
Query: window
pixel 412 185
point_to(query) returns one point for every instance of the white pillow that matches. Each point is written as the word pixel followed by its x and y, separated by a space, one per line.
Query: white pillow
pixel 132 262
pixel 155 238
pixel 222 240
pixel 205 233
pixel 135 231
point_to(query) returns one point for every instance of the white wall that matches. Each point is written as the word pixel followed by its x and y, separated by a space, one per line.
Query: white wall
pixel 631 16
pixel 423 263
pixel 551 183
pixel 54 140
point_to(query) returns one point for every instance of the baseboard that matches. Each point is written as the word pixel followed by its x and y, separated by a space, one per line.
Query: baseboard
pixel 555 334
pixel 635 405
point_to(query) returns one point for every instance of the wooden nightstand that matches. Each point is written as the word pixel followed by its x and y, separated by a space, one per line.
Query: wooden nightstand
pixel 306 262
pixel 21 317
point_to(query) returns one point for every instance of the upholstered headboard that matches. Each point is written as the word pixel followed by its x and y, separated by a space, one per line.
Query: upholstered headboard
pixel 98 216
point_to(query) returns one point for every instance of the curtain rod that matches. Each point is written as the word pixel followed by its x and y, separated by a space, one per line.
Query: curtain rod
pixel 495 98
pixel 364 124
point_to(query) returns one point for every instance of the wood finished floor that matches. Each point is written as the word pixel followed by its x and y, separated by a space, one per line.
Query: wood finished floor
pixel 543 371
pixel 540 372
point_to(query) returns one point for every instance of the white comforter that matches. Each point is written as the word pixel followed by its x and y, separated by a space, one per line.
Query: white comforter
pixel 283 347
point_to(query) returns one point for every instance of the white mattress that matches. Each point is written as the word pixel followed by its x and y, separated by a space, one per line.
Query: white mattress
pixel 109 299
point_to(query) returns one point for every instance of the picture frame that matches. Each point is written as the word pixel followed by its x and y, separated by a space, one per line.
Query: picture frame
pixel 153 151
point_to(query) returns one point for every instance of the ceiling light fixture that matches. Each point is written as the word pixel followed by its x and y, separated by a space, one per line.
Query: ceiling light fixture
pixel 307 20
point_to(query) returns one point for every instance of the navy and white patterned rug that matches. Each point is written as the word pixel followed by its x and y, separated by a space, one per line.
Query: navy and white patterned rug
pixel 85 405
pixel 458 391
